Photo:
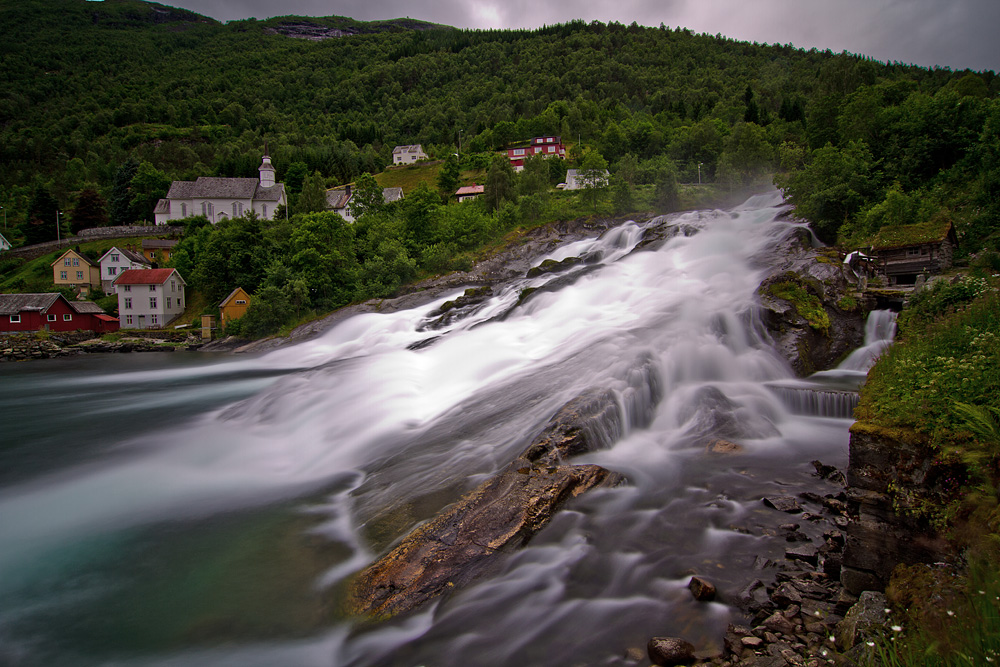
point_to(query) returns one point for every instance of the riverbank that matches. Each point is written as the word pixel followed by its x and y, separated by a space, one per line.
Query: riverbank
pixel 45 345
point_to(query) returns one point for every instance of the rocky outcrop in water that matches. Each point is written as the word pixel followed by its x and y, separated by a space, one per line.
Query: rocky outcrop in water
pixel 811 307
pixel 504 513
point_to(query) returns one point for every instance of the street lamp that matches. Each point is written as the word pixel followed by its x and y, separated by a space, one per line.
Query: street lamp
pixel 4 216
pixel 460 142
pixel 699 173
pixel 58 226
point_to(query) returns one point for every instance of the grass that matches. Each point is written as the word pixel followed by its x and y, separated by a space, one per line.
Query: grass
pixel 410 176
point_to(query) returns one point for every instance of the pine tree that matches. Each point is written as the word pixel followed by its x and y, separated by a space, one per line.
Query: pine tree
pixel 121 210
pixel 42 219
pixel 91 210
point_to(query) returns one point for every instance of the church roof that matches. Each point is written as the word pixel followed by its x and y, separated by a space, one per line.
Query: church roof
pixel 215 187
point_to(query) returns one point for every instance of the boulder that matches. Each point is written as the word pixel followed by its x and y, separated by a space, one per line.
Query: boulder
pixel 668 651
pixel 702 589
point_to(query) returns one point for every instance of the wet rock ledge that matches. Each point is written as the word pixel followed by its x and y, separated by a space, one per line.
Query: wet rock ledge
pixel 504 513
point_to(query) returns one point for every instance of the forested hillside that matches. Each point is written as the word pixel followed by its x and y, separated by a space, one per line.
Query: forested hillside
pixel 89 85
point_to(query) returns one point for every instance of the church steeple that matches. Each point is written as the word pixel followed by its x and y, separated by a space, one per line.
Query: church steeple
pixel 266 170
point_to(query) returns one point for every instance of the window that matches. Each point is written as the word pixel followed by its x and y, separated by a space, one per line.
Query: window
pixel 127 288
pixel 115 258
pixel 128 320
pixel 153 319
pixel 173 286
pixel 168 303
pixel 67 317
pixel 112 270
pixel 184 210
pixel 241 302
pixel 152 302
pixel 62 275
pixel 204 208
pixel 79 275
pixel 152 288
pixel 128 303
pixel 263 209
pixel 15 319
pixel 552 149
pixel 180 301
pixel 50 317
pixel 518 151
pixel 234 210
pixel 76 262
pixel 211 209
pixel 67 262
pixel 913 252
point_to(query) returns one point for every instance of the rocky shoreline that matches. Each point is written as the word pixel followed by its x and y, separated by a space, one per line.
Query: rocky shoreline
pixel 32 346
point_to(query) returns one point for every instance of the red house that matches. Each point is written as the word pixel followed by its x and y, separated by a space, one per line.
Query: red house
pixel 548 146
pixel 52 312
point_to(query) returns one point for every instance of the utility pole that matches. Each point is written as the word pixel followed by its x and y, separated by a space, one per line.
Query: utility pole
pixel 699 173
pixel 58 234
pixel 4 217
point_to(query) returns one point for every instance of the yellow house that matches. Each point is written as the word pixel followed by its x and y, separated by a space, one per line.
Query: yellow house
pixel 234 306
pixel 74 270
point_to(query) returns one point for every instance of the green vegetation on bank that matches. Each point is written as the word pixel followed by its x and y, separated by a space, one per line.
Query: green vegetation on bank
pixel 937 386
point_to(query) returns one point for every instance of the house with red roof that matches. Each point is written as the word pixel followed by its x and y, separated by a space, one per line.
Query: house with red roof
pixel 149 298
pixel 51 311
pixel 469 191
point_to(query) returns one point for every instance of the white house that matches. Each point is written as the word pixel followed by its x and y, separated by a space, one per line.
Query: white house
pixel 408 154
pixel 218 198
pixel 115 261
pixel 469 192
pixel 149 298
pixel 575 180
pixel 337 200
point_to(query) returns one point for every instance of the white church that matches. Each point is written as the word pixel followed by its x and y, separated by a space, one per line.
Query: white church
pixel 220 198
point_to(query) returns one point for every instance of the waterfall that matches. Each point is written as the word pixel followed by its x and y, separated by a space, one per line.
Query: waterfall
pixel 834 393
pixel 211 511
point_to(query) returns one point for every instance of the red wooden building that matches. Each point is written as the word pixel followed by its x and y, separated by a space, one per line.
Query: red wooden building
pixel 550 146
pixel 52 312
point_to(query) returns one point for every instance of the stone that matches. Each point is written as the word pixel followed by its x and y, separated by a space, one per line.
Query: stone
pixel 752 642
pixel 865 619
pixel 776 622
pixel 702 589
pixel 783 504
pixel 806 554
pixel 719 446
pixel 669 651
pixel 785 595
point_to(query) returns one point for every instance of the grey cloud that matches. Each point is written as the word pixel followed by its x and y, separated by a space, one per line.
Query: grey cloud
pixel 956 34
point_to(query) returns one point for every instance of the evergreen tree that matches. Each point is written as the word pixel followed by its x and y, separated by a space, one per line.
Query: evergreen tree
pixel 148 186
pixel 42 219
pixel 593 173
pixel 499 186
pixel 91 210
pixel 367 197
pixel 448 177
pixel 313 197
pixel 120 207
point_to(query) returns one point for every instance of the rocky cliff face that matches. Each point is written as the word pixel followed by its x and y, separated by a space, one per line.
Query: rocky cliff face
pixel 895 484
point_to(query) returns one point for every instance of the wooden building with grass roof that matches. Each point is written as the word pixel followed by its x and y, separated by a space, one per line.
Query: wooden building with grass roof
pixel 908 251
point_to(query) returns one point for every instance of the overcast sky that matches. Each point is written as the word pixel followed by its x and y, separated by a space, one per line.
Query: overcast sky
pixel 950 33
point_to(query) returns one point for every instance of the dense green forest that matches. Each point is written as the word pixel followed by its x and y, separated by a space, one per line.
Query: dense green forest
pixel 103 104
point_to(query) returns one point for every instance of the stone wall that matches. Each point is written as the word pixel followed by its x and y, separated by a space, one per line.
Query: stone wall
pixel 893 480
pixel 93 234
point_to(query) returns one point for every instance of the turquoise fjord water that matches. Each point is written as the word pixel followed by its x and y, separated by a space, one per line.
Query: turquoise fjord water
pixel 187 510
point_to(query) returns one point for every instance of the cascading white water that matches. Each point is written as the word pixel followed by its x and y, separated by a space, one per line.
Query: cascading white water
pixel 374 426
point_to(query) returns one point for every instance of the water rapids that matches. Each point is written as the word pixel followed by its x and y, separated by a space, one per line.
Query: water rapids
pixel 178 511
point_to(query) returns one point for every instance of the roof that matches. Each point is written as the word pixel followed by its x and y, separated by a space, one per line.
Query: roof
pixel 85 307
pixel 932 231
pixel 413 148
pixel 471 190
pixel 158 243
pixel 337 199
pixel 74 252
pixel 134 256
pixel 145 276
pixel 12 304
pixel 392 194
pixel 216 187
pixel 232 295
pixel 105 317
pixel 162 206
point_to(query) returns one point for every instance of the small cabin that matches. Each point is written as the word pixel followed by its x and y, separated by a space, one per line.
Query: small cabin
pixel 906 252
pixel 234 306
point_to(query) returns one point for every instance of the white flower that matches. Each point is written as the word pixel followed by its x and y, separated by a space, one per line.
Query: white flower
pixel 897 628
pixel 870 643
pixel 951 613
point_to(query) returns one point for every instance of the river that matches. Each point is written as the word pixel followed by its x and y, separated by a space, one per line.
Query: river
pixel 187 509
